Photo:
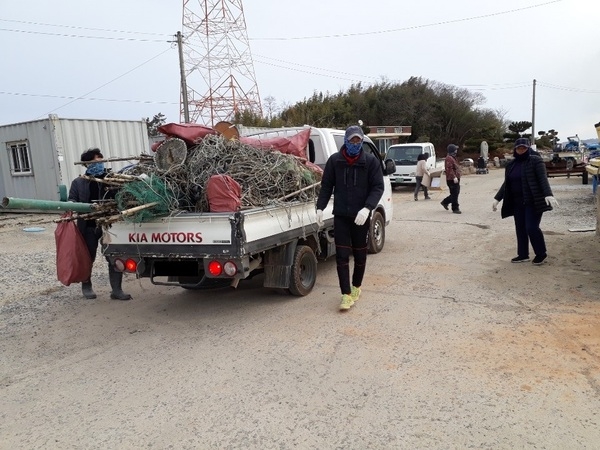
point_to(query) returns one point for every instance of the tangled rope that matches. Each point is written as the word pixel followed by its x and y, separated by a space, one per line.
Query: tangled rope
pixel 266 178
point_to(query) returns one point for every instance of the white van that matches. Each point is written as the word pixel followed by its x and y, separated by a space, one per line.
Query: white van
pixel 405 156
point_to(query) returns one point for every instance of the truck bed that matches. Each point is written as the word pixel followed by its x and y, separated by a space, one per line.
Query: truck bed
pixel 201 235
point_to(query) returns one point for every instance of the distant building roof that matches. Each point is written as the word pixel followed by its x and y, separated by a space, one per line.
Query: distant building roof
pixel 389 131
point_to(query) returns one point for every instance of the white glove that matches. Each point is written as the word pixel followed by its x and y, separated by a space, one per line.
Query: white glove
pixel 362 216
pixel 495 205
pixel 455 180
pixel 320 218
pixel 551 201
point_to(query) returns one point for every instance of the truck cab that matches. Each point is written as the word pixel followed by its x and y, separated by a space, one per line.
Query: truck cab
pixel 405 157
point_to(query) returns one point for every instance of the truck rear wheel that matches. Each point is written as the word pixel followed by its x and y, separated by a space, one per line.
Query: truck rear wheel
pixel 376 233
pixel 304 271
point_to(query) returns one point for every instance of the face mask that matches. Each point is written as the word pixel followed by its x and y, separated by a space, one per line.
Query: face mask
pixel 353 149
pixel 95 169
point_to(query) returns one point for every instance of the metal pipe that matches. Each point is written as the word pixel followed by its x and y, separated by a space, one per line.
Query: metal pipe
pixel 45 205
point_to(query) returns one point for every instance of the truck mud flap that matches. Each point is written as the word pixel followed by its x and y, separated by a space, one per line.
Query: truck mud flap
pixel 278 266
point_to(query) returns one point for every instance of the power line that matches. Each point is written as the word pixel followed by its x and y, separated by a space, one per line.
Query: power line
pixel 474 87
pixel 66 97
pixel 513 83
pixel 414 27
pixel 565 88
pixel 310 67
pixel 491 88
pixel 81 28
pixel 82 36
pixel 81 97
pixel 306 71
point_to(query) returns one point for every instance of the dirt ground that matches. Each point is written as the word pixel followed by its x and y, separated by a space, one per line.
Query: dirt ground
pixel 450 345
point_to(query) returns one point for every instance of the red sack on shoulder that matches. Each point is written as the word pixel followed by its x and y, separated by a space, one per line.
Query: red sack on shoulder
pixel 73 260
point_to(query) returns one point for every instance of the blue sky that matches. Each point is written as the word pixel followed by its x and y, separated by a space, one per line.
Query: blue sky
pixel 113 59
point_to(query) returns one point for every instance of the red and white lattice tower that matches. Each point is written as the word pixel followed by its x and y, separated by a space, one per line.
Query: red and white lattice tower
pixel 218 65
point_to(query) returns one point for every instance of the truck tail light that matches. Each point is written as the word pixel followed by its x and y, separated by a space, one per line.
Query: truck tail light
pixel 215 268
pixel 230 268
pixel 131 265
pixel 120 265
pixel 128 265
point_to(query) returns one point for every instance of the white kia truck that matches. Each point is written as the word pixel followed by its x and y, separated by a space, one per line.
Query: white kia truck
pixel 206 249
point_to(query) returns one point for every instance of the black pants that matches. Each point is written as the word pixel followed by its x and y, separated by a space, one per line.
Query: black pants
pixel 453 197
pixel 527 227
pixel 350 239
pixel 92 236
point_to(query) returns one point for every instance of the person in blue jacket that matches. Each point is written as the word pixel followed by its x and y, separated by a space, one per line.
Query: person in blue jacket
pixel 526 195
pixel 355 178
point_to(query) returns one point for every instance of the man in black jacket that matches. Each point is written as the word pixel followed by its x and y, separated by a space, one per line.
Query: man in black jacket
pixel 84 190
pixel 355 178
pixel 527 195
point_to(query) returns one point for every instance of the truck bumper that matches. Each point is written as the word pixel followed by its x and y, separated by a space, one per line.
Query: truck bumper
pixel 401 180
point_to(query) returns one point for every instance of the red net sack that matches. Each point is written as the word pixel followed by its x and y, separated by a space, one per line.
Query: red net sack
pixel 73 260
pixel 189 132
pixel 224 194
pixel 295 145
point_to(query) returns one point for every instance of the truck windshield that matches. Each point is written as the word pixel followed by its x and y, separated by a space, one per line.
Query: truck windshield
pixel 404 156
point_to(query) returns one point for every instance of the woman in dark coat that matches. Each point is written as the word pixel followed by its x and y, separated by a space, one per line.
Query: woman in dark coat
pixel 527 195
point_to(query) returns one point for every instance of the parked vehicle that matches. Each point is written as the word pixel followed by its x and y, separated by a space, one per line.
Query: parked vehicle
pixel 283 241
pixel 405 157
pixel 568 160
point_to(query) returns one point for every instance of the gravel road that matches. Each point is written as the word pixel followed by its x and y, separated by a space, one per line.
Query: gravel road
pixel 450 345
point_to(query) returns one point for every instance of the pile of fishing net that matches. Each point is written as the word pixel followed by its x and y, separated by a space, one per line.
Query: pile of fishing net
pixel 181 173
pixel 148 190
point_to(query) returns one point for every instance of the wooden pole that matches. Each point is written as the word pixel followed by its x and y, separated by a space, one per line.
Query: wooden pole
pixel 298 191
pixel 125 158
pixel 132 211
pixel 101 180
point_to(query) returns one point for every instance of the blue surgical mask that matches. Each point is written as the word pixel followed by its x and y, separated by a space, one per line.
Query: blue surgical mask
pixel 353 149
pixel 95 169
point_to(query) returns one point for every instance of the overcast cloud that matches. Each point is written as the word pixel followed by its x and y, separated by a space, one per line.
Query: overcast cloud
pixel 51 63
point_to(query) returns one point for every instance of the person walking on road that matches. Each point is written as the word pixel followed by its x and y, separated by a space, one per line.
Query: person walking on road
pixel 419 173
pixel 355 178
pixel 452 179
pixel 526 195
pixel 84 190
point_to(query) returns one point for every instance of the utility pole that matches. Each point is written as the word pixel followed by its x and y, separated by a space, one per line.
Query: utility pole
pixel 533 115
pixel 184 93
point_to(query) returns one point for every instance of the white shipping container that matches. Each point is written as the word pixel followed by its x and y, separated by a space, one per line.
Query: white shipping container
pixel 37 157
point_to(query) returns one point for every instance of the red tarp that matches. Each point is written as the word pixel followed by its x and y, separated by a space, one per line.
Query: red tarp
pixel 296 145
pixel 189 132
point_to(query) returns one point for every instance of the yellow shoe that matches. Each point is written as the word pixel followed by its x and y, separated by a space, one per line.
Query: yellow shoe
pixel 355 293
pixel 347 302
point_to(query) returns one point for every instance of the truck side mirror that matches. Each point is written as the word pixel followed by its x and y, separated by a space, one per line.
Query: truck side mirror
pixel 390 166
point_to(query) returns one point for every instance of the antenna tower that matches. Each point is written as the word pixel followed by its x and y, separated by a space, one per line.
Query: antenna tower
pixel 218 66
